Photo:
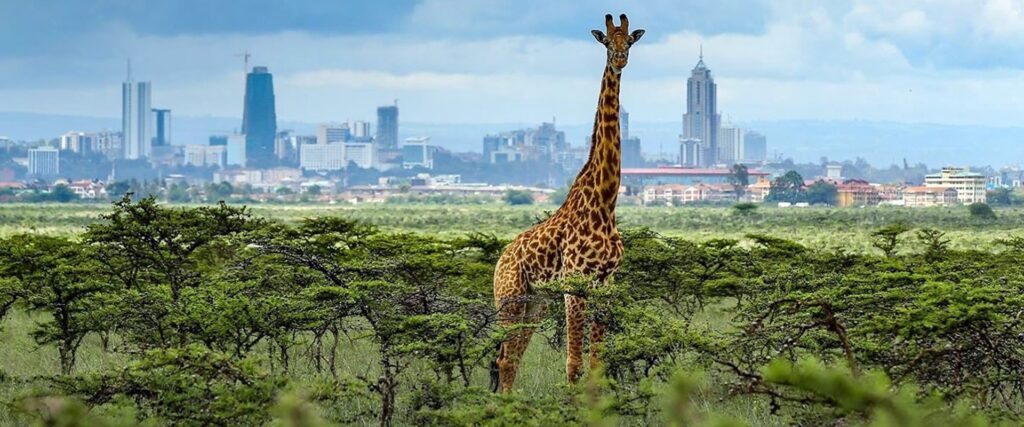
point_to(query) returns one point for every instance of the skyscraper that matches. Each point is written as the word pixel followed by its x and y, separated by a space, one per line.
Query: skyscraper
pixel 730 144
pixel 259 118
pixel 701 120
pixel 162 117
pixel 755 147
pixel 136 118
pixel 630 146
pixel 387 127
pixel 623 123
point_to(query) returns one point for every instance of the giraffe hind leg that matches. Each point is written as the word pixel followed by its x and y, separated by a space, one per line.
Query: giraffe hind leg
pixel 512 300
pixel 510 353
pixel 575 323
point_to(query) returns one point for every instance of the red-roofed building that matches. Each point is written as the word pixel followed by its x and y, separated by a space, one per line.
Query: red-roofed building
pixel 856 192
pixel 87 189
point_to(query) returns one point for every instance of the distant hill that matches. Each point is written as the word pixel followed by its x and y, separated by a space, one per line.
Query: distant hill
pixel 880 143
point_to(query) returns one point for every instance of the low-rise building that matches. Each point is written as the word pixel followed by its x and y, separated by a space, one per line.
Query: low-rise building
pixel 86 189
pixel 239 176
pixel 682 193
pixel 206 155
pixel 280 174
pixel 759 190
pixel 924 196
pixel 643 177
pixel 889 192
pixel 856 192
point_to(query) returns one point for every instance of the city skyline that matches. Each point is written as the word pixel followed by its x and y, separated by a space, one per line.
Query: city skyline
pixel 861 60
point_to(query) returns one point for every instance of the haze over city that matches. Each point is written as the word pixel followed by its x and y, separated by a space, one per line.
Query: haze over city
pixel 954 64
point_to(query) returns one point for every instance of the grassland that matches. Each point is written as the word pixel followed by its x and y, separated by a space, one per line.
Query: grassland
pixel 815 227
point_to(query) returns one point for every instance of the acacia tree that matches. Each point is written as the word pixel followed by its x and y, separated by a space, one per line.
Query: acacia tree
pixel 787 188
pixel 740 179
pixel 887 239
pixel 419 298
pixel 57 277
pixel 154 254
pixel 821 192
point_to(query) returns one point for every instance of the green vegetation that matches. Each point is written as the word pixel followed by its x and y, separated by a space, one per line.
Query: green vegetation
pixel 221 315
pixel 816 227
pixel 981 211
pixel 518 197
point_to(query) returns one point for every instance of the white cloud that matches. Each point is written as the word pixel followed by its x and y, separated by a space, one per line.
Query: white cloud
pixel 875 59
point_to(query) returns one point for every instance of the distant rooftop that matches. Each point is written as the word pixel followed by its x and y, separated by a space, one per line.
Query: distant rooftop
pixel 926 189
pixel 681 171
pixel 956 174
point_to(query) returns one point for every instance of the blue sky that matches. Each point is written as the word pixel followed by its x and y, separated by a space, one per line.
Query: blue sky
pixel 480 61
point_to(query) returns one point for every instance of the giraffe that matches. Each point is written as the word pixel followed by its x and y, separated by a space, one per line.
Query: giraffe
pixel 579 238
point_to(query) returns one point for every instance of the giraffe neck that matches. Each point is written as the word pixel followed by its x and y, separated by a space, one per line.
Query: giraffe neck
pixel 597 185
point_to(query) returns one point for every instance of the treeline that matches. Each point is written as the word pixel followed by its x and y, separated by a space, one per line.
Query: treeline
pixel 225 318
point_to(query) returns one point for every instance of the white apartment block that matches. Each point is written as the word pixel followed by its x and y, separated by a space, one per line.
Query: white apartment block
pixel 322 157
pixel 206 155
pixel 363 154
pixel 970 187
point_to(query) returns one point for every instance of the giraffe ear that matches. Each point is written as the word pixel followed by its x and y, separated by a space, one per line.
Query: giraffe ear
pixel 599 36
pixel 636 36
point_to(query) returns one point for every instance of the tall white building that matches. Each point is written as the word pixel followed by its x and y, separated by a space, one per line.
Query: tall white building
pixel 730 144
pixel 322 157
pixel 78 142
pixel 360 129
pixel 136 119
pixel 43 162
pixel 236 150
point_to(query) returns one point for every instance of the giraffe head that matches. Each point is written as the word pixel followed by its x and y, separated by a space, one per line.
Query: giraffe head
pixel 618 40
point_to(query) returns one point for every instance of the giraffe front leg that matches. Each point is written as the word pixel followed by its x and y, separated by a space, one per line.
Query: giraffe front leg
pixel 575 322
pixel 596 341
pixel 597 329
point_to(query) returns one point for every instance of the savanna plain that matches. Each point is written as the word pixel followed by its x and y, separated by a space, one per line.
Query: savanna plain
pixel 144 313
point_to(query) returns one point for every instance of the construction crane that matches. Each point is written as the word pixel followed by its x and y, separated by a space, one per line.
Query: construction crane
pixel 245 55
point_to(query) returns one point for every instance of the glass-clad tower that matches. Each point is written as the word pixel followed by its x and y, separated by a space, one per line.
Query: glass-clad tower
pixel 259 119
